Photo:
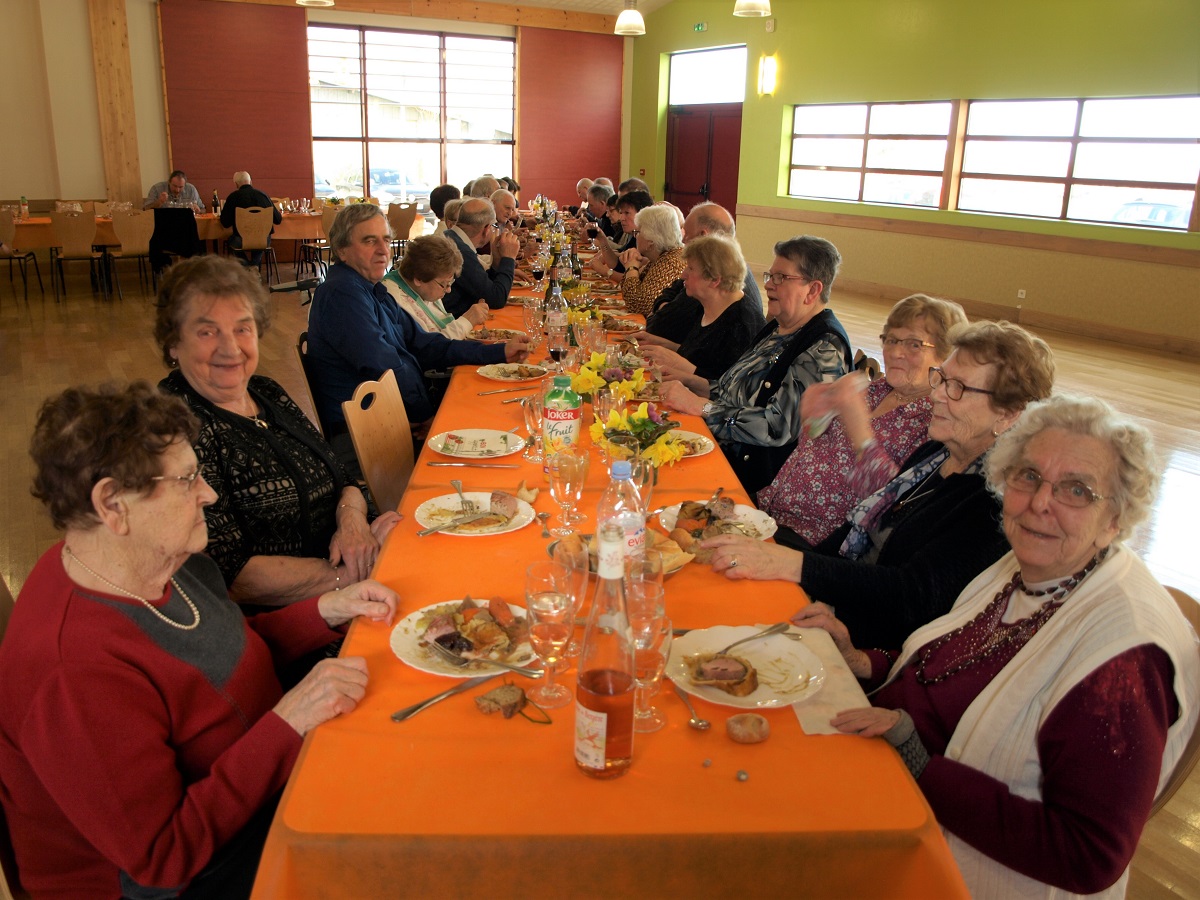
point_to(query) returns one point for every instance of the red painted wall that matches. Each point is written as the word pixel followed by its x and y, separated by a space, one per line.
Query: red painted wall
pixel 568 110
pixel 237 95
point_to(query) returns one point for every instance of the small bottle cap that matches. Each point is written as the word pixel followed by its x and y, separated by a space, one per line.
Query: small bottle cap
pixel 562 381
pixel 621 468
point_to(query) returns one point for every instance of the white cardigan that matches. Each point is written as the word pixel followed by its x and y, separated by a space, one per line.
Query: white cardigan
pixel 1118 606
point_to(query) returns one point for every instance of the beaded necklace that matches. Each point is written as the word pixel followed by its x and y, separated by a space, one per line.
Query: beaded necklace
pixel 67 551
pixel 993 635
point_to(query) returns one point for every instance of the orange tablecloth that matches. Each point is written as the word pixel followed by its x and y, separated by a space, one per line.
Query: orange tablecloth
pixel 454 803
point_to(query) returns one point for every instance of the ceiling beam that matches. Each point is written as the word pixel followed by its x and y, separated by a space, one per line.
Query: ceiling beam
pixel 472 11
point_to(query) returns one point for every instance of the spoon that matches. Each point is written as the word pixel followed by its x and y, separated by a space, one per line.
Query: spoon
pixel 695 721
pixel 713 499
pixel 777 628
pixel 544 517
pixel 461 662
pixel 467 505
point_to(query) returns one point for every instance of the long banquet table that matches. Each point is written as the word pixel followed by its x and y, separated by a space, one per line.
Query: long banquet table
pixel 455 803
pixel 37 232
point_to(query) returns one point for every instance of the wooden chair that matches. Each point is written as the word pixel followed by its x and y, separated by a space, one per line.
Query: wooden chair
pixel 175 235
pixel 317 255
pixel 401 217
pixel 76 237
pixel 1191 753
pixel 8 233
pixel 254 224
pixel 868 365
pixel 382 438
pixel 302 358
pixel 133 230
pixel 10 887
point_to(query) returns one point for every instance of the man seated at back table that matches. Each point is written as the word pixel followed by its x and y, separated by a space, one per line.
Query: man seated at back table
pixel 475 228
pixel 356 332
pixel 245 196
pixel 175 191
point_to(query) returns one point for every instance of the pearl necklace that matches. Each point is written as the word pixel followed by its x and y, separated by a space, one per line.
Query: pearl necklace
pixel 67 551
pixel 996 635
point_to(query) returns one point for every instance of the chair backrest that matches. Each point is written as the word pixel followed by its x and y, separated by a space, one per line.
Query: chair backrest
pixel 868 365
pixel 382 438
pixel 1191 753
pixel 401 217
pixel 175 231
pixel 75 234
pixel 328 214
pixel 134 230
pixel 302 357
pixel 254 224
pixel 8 227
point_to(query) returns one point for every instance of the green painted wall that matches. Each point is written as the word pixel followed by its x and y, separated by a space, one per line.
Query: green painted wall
pixel 852 50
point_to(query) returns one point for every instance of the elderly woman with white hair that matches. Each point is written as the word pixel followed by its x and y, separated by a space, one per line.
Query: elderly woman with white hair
pixel 1044 713
pixel 655 261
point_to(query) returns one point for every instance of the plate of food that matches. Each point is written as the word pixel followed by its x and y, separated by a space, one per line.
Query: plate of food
pixel 504 513
pixel 620 326
pixel 771 672
pixel 674 559
pixel 694 444
pixel 476 443
pixel 651 391
pixel 473 629
pixel 493 335
pixel 692 521
pixel 606 288
pixel 512 372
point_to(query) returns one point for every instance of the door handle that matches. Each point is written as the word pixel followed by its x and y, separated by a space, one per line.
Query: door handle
pixel 704 190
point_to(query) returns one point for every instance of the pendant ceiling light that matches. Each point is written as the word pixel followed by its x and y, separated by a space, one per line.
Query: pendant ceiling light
pixel 752 8
pixel 630 21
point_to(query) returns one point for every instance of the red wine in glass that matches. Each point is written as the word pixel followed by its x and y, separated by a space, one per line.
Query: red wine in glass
pixel 538 272
pixel 556 353
pixel 593 231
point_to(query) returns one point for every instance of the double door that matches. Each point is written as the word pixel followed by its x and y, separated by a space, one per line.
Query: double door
pixel 703 148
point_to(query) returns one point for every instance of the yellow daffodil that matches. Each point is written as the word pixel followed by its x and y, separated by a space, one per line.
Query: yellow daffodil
pixel 586 381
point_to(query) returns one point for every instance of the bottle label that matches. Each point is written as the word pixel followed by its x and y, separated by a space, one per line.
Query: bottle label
pixel 610 562
pixel 561 428
pixel 591 729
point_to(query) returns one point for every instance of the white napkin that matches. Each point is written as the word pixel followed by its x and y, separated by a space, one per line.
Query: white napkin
pixel 840 691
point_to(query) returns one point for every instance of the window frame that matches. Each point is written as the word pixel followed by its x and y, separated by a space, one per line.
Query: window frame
pixel 957 141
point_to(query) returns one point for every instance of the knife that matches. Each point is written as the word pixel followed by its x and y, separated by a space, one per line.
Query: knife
pixel 476 465
pixel 508 390
pixel 461 520
pixel 513 400
pixel 409 711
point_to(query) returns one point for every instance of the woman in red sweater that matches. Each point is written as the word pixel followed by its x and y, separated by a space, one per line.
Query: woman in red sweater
pixel 144 736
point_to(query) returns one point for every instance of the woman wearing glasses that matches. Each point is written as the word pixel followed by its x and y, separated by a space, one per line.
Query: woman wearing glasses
pixel 907 550
pixel 875 427
pixel 426 274
pixel 287 522
pixel 1044 713
pixel 753 409
pixel 144 736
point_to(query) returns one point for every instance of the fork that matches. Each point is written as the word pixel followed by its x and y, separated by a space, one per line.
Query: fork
pixel 461 662
pixel 468 506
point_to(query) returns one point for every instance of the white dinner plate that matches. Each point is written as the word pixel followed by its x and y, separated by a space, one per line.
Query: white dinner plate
pixel 703 445
pixel 448 507
pixel 788 672
pixel 755 518
pixel 511 372
pixel 407 645
pixel 476 443
pixel 493 335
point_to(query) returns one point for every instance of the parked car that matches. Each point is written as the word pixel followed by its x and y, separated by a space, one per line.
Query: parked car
pixel 1160 215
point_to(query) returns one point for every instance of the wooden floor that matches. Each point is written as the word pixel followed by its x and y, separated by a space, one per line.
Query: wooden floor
pixel 46 346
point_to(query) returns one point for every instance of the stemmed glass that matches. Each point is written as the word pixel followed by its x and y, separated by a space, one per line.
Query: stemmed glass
pixel 532 407
pixel 574 517
pixel 645 476
pixel 551 622
pixel 645 568
pixel 578 562
pixel 652 645
pixel 534 314
pixel 593 231
pixel 568 471
pixel 604 402
pixel 538 268
pixel 557 344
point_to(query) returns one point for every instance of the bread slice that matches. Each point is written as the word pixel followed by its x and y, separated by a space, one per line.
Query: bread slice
pixel 507 699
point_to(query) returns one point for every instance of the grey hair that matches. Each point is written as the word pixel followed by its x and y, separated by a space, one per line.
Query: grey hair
pixel 484 187
pixel 501 194
pixel 353 215
pixel 712 224
pixel 600 192
pixel 660 224
pixel 815 257
pixel 479 215
pixel 450 211
pixel 1137 466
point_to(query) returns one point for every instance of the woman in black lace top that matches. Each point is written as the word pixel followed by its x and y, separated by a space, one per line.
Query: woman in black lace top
pixel 287 522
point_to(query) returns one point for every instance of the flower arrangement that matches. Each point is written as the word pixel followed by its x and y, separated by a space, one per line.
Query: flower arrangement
pixel 334 201
pixel 651 428
pixel 625 383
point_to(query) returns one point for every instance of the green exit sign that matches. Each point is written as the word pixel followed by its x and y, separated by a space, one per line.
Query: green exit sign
pixel 700 26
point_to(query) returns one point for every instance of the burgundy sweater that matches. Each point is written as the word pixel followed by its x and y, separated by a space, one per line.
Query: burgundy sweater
pixel 129 750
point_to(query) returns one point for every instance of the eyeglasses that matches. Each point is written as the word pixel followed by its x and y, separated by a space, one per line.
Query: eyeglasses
pixel 445 286
pixel 954 388
pixel 909 345
pixel 1069 492
pixel 190 478
pixel 633 233
pixel 778 278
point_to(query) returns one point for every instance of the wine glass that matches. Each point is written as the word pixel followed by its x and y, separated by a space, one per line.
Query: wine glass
pixel 534 314
pixel 618 446
pixel 551 617
pixel 557 344
pixel 645 568
pixel 578 562
pixel 593 231
pixel 645 476
pixel 568 470
pixel 574 517
pixel 652 643
pixel 532 407
pixel 538 269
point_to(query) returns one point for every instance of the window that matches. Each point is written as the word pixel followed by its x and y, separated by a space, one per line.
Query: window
pixel 871 152
pixel 1128 161
pixel 708 76
pixel 408 110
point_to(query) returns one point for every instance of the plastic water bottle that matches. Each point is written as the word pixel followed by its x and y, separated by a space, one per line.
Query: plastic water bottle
pixel 562 416
pixel 604 691
pixel 24 208
pixel 622 505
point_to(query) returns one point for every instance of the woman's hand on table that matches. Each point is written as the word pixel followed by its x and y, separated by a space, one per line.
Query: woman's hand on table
pixel 353 545
pixel 820 615
pixel 477 314
pixel 674 395
pixel 331 689
pixel 384 524
pixel 673 365
pixel 741 557
pixel 517 350
pixel 632 258
pixel 369 599
pixel 868 721
pixel 645 338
